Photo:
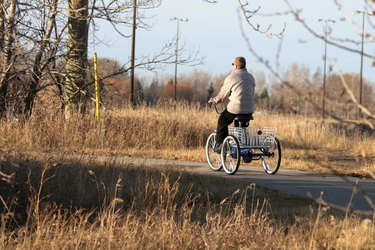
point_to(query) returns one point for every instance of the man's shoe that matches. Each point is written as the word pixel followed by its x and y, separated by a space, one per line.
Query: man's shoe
pixel 217 148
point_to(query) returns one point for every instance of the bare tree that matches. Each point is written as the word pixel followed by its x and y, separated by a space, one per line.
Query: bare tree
pixel 32 36
pixel 284 82
pixel 8 58
pixel 2 24
pixel 120 14
pixel 38 65
pixel 76 64
pixel 35 57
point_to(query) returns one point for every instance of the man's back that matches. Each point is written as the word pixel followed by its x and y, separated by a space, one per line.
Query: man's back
pixel 241 99
pixel 238 87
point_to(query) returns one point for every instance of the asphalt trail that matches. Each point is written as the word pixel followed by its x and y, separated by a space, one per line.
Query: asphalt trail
pixel 356 195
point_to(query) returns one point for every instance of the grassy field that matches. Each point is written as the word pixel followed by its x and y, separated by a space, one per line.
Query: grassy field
pixel 180 133
pixel 75 205
pixel 54 203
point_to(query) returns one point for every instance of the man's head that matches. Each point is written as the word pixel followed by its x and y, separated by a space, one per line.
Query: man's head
pixel 239 62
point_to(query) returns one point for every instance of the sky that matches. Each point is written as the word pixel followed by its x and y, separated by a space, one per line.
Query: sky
pixel 214 31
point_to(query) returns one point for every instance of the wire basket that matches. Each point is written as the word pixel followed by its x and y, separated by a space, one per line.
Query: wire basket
pixel 254 137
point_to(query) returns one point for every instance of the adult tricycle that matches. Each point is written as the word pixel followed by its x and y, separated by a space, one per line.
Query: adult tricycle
pixel 247 144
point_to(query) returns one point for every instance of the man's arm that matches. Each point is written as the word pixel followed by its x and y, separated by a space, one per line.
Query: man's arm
pixel 224 92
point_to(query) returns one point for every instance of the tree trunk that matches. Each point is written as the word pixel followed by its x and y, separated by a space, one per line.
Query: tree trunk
pixel 36 71
pixel 76 65
pixel 7 55
pixel 2 14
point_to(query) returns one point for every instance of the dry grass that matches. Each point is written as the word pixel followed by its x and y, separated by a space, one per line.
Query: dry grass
pixel 180 133
pixel 59 204
pixel 142 209
pixel 155 230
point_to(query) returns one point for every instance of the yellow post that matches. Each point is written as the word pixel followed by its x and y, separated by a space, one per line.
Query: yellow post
pixel 97 97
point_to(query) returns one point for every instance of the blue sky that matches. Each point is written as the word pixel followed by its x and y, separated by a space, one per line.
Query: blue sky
pixel 214 30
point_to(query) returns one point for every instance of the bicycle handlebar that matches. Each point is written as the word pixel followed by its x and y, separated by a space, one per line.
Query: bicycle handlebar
pixel 216 107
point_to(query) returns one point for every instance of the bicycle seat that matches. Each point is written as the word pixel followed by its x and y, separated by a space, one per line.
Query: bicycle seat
pixel 242 120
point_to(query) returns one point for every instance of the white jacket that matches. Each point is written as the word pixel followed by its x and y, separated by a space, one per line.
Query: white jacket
pixel 238 87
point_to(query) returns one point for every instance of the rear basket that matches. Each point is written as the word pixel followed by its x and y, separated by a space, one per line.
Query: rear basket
pixel 254 137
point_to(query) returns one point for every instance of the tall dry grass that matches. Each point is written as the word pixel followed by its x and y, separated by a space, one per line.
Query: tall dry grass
pixel 66 205
pixel 141 131
pixel 179 132
pixel 159 211
pixel 112 230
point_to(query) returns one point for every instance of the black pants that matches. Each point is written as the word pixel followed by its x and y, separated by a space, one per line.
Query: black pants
pixel 225 119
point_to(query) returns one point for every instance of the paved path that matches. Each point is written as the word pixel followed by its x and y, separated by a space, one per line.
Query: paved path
pixel 337 191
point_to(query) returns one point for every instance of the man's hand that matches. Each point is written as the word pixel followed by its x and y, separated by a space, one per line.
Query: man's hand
pixel 211 101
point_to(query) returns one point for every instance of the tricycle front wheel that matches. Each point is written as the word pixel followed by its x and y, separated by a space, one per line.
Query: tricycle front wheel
pixel 213 158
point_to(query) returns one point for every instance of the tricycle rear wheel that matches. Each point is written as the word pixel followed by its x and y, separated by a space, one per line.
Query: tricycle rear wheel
pixel 271 162
pixel 230 154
